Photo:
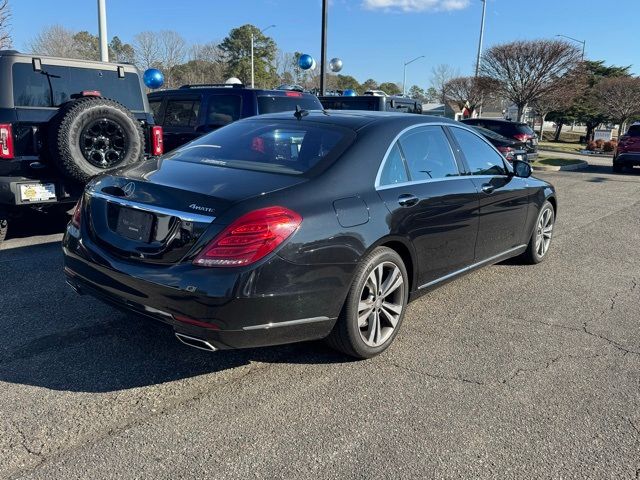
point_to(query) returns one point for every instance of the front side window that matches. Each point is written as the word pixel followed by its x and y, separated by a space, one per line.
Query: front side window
pixel 481 157
pixel 181 113
pixel 428 154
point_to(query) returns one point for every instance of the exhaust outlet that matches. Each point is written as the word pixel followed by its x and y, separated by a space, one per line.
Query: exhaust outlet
pixel 195 342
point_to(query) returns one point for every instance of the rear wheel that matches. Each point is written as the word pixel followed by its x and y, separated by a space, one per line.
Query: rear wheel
pixel 617 167
pixel 375 306
pixel 541 238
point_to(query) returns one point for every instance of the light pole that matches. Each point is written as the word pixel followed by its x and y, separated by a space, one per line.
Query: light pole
pixel 252 67
pixel 404 74
pixel 102 28
pixel 484 12
pixel 583 42
pixel 323 45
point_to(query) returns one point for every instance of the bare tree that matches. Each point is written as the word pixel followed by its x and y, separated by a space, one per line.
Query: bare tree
pixel 172 52
pixel 440 75
pixel 147 50
pixel 470 92
pixel 619 99
pixel 56 41
pixel 5 15
pixel 528 70
pixel 561 97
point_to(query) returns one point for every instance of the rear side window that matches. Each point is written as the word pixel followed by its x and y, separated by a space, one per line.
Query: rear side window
pixel 279 147
pixel 181 113
pixel 155 109
pixel 223 109
pixel 634 131
pixel 394 170
pixel 482 159
pixel 55 85
pixel 428 154
pixel 275 104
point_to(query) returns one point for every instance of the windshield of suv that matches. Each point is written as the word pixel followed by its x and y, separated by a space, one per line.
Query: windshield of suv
pixel 279 147
pixel 55 85
pixel 276 104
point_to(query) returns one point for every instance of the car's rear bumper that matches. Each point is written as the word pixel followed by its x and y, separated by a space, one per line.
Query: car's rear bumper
pixel 628 159
pixel 277 303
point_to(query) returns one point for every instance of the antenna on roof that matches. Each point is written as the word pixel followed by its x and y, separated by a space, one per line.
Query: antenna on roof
pixel 299 113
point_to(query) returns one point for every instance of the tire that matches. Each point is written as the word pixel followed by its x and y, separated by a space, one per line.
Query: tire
pixel 357 338
pixel 537 252
pixel 617 168
pixel 92 135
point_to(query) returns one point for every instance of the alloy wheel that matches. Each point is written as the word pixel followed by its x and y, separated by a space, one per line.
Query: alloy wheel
pixel 103 143
pixel 544 232
pixel 381 304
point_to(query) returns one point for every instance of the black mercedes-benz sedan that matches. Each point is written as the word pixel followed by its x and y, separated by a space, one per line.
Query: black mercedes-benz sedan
pixel 293 227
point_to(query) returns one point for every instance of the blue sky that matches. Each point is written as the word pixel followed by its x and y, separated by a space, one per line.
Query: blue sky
pixel 373 37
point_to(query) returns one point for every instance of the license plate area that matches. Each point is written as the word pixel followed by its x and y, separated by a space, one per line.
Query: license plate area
pixel 134 224
pixel 37 192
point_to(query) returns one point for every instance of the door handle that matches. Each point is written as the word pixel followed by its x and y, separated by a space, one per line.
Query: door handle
pixel 488 188
pixel 407 200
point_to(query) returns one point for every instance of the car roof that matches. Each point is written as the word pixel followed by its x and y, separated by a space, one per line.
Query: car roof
pixel 355 119
pixel 229 89
pixel 72 62
pixel 491 120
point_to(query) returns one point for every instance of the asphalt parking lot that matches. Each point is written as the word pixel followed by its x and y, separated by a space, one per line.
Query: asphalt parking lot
pixel 510 372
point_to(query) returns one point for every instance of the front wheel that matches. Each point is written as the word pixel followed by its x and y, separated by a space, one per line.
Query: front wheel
pixel 541 238
pixel 374 307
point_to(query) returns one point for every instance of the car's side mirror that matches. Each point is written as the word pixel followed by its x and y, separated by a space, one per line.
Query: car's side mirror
pixel 521 169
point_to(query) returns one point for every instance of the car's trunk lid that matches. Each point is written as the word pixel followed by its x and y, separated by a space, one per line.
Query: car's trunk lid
pixel 156 211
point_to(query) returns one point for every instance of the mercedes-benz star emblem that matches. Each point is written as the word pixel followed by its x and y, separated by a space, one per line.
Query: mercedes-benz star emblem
pixel 128 189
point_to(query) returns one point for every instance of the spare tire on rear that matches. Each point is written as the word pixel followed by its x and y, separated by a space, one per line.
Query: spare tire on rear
pixel 92 135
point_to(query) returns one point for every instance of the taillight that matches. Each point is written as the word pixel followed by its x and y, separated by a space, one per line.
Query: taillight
pixel 77 214
pixel 6 141
pixel 523 137
pixel 250 238
pixel 157 143
pixel 293 94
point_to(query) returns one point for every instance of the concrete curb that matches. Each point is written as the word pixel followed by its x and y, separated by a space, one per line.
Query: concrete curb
pixel 597 155
pixel 551 168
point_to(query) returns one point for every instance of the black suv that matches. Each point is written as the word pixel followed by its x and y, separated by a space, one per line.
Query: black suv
pixel 372 103
pixel 515 130
pixel 63 121
pixel 193 110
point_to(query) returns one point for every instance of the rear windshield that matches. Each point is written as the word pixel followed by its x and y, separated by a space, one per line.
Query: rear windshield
pixel 267 104
pixel 371 104
pixel 55 85
pixel 634 131
pixel 279 147
pixel 510 129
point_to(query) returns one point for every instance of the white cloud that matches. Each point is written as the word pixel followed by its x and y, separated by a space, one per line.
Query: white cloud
pixel 415 5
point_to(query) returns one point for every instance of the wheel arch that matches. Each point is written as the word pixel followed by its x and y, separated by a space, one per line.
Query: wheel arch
pixel 403 248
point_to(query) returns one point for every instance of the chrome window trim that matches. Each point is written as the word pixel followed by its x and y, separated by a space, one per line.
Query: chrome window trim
pixel 377 185
pixel 184 216
pixel 471 267
pixel 419 182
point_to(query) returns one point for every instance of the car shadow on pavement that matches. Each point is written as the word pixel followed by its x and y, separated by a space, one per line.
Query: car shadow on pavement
pixel 56 339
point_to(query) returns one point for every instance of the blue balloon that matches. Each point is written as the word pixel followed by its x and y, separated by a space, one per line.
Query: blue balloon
pixel 349 93
pixel 305 62
pixel 153 78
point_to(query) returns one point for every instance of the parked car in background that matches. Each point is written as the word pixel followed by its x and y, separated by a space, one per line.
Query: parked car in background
pixel 511 149
pixel 372 103
pixel 627 153
pixel 516 130
pixel 193 110
pixel 62 122
pixel 292 227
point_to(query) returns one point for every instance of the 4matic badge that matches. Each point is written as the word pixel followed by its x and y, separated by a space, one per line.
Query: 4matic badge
pixel 200 208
